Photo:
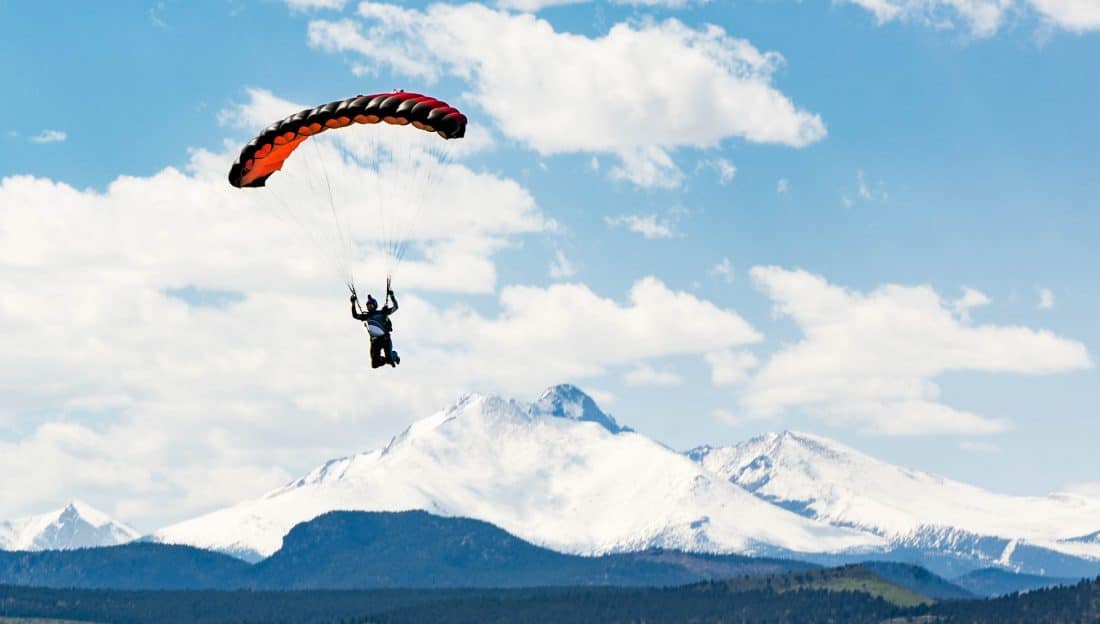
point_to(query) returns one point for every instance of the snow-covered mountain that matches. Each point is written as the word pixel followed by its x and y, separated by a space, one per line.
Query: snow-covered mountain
pixel 825 480
pixel 78 525
pixel 559 473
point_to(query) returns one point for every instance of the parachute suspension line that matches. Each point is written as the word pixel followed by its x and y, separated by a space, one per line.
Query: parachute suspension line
pixel 321 236
pixel 442 156
pixel 425 164
pixel 345 244
pixel 397 179
pixel 295 218
pixel 372 191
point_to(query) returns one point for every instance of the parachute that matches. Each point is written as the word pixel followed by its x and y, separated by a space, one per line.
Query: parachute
pixel 363 184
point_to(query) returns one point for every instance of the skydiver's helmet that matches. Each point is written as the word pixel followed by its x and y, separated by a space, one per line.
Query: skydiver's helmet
pixel 372 304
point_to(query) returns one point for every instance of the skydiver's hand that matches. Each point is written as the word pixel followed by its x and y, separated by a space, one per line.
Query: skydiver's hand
pixel 354 299
pixel 389 292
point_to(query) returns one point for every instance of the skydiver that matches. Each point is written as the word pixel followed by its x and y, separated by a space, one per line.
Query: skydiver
pixel 378 324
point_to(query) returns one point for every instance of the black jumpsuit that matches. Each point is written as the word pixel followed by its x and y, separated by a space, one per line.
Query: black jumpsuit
pixel 379 319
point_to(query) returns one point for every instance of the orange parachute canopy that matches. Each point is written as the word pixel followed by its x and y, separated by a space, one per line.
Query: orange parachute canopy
pixel 265 154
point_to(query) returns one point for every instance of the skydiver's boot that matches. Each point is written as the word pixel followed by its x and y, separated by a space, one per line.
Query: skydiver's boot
pixel 394 358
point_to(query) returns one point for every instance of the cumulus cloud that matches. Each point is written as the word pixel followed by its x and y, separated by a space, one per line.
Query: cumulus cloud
pixel 970 299
pixel 628 85
pixel 1091 490
pixel 610 333
pixel 872 358
pixel 730 367
pixel 645 375
pixel 649 226
pixel 49 136
pixel 1073 15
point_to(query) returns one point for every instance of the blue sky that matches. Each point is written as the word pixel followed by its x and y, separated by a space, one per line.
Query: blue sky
pixel 894 246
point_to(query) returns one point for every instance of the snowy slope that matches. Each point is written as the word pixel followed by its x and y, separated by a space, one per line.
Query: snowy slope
pixel 559 473
pixel 78 525
pixel 826 480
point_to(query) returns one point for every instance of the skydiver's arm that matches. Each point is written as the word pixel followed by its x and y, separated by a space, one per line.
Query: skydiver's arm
pixel 393 308
pixel 356 314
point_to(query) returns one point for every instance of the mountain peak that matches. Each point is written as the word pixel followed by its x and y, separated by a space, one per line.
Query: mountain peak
pixel 77 525
pixel 570 402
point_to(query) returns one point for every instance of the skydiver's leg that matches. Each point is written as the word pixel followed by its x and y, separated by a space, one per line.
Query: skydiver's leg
pixel 387 344
pixel 376 359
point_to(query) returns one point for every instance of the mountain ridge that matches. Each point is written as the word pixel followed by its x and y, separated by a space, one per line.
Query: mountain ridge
pixel 914 510
pixel 557 472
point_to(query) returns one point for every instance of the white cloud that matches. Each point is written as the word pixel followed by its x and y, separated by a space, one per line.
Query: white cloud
pixel 726 417
pixel 984 18
pixel 725 169
pixel 1046 299
pixel 534 6
pixel 602 397
pixel 1091 490
pixel 970 299
pixel 49 136
pixel 561 267
pixel 863 192
pixel 981 17
pixel 864 189
pixel 633 80
pixel 872 358
pixel 645 375
pixel 782 186
pixel 730 367
pixel 544 321
pixel 1073 15
pixel 724 270
pixel 649 226
pixel 156 15
pixel 647 167
pixel 313 5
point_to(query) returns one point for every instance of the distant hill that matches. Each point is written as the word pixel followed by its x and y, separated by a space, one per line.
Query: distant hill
pixel 357 550
pixel 918 580
pixel 129 566
pixel 363 550
pixel 990 582
pixel 1079 603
